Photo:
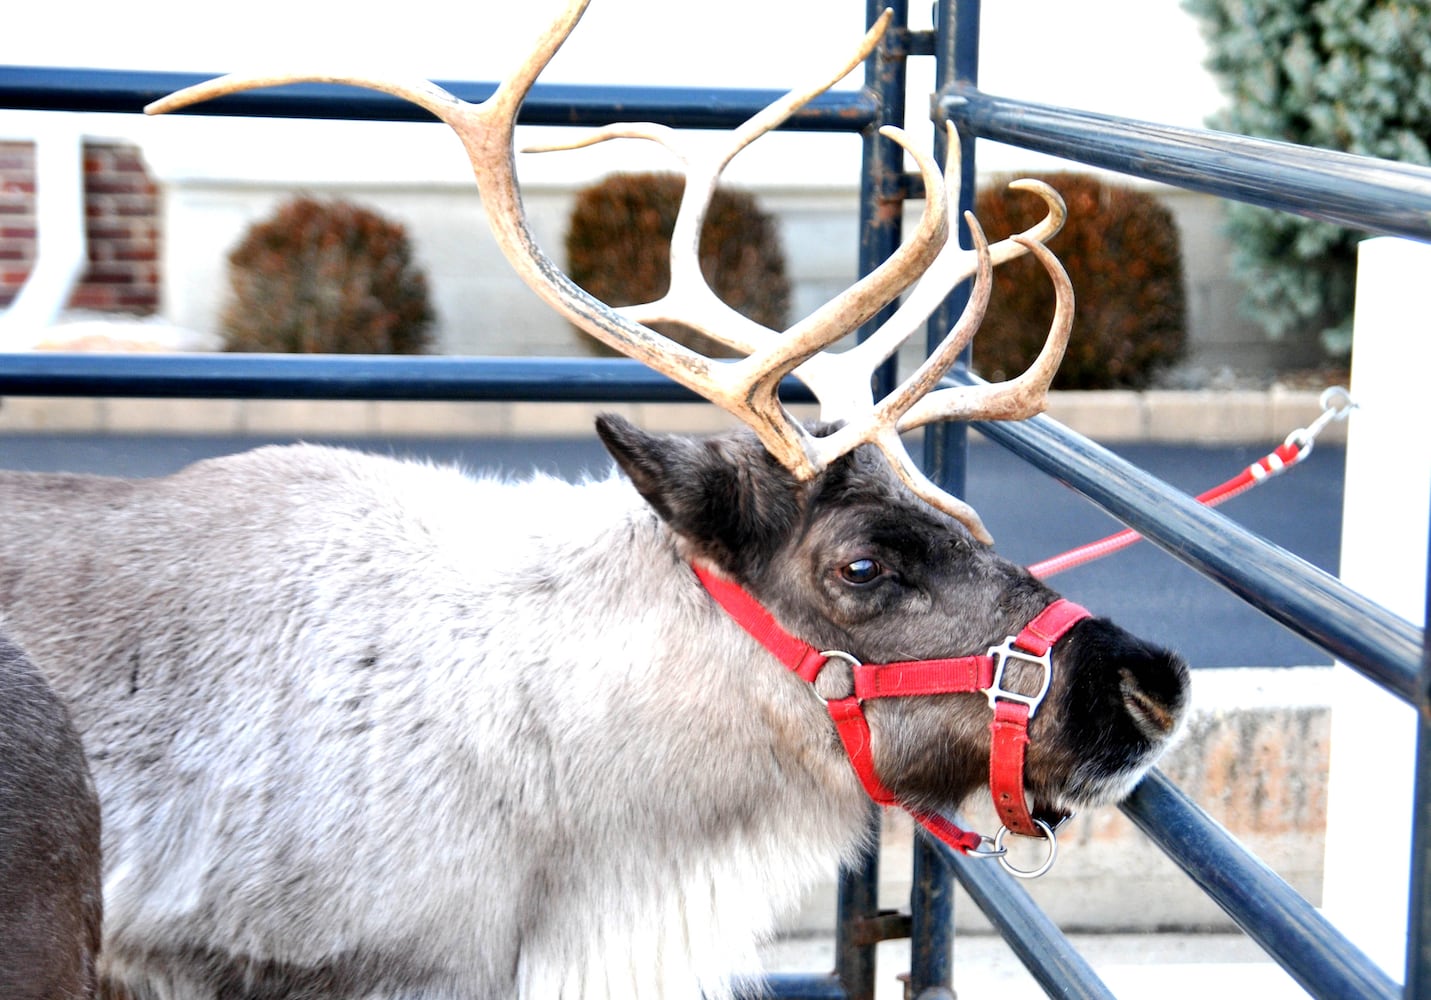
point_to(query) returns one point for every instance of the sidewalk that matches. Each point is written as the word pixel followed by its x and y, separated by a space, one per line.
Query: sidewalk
pixel 1132 966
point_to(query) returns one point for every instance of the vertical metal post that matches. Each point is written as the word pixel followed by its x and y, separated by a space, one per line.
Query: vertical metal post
pixel 931 932
pixel 883 186
pixel 1418 923
pixel 857 905
pixel 882 193
pixel 946 450
pixel 956 50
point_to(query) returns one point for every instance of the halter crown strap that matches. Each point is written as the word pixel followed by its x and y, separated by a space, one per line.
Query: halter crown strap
pixel 962 674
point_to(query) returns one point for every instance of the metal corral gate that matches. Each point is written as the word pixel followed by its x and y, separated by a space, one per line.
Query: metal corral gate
pixel 1364 194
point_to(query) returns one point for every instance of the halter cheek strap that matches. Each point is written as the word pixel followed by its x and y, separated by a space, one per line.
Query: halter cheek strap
pixel 963 674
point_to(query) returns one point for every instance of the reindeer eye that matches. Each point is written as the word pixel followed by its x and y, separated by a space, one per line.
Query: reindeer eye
pixel 861 572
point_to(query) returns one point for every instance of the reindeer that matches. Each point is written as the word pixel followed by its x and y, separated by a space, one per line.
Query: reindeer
pixel 365 727
pixel 50 901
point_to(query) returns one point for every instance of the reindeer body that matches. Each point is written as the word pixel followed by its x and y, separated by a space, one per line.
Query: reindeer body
pixel 374 727
pixel 50 904
pixel 371 728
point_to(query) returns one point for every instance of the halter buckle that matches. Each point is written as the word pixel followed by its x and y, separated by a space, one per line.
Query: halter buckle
pixel 1002 654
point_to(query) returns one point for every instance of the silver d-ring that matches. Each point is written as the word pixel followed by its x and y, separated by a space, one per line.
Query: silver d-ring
pixel 1042 869
pixel 850 660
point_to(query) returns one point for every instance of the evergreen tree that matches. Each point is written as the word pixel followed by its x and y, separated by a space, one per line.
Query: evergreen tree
pixel 1348 75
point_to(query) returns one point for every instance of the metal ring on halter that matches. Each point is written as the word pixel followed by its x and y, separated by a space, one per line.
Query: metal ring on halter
pixel 987 850
pixel 836 654
pixel 1002 852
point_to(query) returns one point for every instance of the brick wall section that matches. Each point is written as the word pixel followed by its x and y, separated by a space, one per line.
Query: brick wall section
pixel 122 228
pixel 17 216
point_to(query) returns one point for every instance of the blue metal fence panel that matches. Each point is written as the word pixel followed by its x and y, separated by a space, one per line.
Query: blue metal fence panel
pixel 1361 193
pixel 39 88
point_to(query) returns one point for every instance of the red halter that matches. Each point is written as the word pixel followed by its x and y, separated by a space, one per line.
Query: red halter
pixel 962 674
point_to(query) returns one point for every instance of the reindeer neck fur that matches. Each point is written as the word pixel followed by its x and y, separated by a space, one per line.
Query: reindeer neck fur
pixel 537 652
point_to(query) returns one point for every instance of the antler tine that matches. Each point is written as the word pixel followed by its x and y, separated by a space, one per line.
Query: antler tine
pixel 923 487
pixel 689 298
pixel 953 265
pixel 1040 232
pixel 870 424
pixel 423 93
pixel 759 374
pixel 1017 398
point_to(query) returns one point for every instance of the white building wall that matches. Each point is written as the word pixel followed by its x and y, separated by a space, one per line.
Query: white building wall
pixel 219 175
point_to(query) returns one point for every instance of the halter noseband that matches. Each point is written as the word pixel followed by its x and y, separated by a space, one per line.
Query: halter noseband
pixel 962 674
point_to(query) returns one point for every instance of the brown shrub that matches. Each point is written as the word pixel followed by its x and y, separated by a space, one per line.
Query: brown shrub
pixel 1121 249
pixel 326 277
pixel 618 248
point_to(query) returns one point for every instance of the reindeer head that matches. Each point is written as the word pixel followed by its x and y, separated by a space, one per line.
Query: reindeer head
pixel 832 526
pixel 852 560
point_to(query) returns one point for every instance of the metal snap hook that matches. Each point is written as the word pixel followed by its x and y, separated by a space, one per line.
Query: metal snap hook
pixel 1042 869
pixel 1336 404
pixel 986 851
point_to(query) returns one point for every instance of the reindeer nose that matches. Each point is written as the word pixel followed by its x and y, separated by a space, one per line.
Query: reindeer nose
pixel 1154 691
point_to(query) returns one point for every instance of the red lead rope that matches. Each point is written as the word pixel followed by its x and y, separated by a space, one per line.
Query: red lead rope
pixel 1279 460
pixel 1336 405
pixel 1012 710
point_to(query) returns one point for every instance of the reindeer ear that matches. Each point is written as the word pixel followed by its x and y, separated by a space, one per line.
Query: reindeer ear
pixel 726 495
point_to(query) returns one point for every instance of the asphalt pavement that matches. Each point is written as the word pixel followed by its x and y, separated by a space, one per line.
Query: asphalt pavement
pixel 1031 517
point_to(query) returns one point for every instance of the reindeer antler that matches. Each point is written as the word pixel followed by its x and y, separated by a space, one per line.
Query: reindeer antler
pixel 748 387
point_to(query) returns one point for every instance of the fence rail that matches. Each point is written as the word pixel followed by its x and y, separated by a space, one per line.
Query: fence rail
pixel 1354 191
pixel 1272 913
pixel 41 88
pixel 329 377
pixel 1307 600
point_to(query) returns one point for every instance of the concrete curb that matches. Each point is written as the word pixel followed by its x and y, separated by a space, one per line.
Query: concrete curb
pixel 1203 416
